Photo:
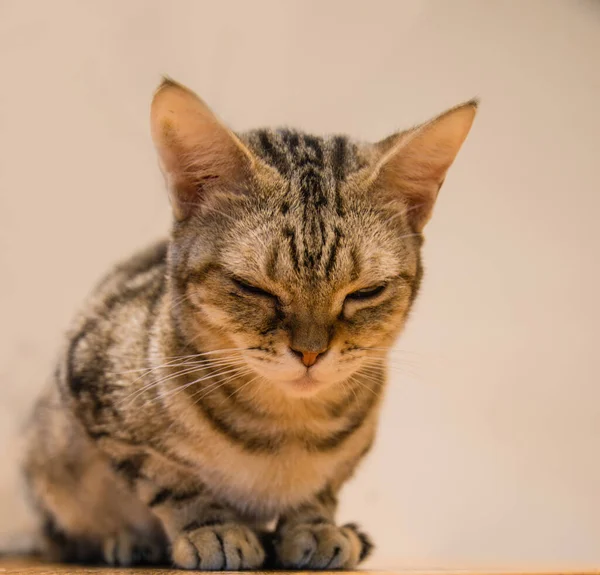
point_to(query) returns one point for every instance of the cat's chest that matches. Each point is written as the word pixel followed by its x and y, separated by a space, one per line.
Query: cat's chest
pixel 268 483
pixel 278 481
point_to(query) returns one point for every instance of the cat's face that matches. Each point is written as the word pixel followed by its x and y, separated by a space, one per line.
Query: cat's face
pixel 309 286
pixel 300 252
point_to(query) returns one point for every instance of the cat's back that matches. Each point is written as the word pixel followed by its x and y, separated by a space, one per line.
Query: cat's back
pixel 123 302
pixel 130 288
pixel 110 335
pixel 129 277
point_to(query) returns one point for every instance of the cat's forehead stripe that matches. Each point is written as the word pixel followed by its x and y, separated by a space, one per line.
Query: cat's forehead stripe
pixel 289 151
pixel 315 169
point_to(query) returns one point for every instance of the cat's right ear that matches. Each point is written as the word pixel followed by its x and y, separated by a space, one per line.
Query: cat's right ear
pixel 412 165
pixel 198 154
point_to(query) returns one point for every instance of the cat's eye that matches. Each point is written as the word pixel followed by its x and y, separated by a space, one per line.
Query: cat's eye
pixel 367 293
pixel 251 289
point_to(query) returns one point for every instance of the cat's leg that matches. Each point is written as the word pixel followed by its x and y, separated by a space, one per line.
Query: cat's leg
pixel 205 534
pixel 87 513
pixel 124 547
pixel 90 517
pixel 107 501
pixel 308 538
pixel 202 532
pixel 56 546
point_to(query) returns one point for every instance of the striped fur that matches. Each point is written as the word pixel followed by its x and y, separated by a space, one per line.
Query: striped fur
pixel 179 424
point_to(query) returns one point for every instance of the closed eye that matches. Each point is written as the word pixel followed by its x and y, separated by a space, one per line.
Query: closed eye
pixel 251 289
pixel 367 293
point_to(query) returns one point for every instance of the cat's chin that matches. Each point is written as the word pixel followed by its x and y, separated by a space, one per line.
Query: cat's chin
pixel 304 386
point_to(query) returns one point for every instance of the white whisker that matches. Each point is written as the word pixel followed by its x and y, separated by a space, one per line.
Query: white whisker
pixel 218 384
pixel 239 389
pixel 171 376
pixel 200 379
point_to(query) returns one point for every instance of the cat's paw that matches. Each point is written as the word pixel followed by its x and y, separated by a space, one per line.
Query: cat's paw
pixel 321 546
pixel 127 548
pixel 217 548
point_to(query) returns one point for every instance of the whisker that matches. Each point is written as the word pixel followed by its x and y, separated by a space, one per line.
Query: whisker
pixel 392 363
pixel 348 388
pixel 218 384
pixel 177 301
pixel 374 374
pixel 385 364
pixel 396 369
pixel 200 362
pixel 239 389
pixel 155 383
pixel 199 354
pixel 372 369
pixel 395 353
pixel 355 379
pixel 180 388
pixel 180 373
pixel 195 381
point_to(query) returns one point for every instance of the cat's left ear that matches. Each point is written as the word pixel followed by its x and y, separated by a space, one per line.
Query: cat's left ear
pixel 411 166
pixel 198 154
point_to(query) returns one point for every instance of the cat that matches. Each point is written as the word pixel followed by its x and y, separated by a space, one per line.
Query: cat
pixel 229 379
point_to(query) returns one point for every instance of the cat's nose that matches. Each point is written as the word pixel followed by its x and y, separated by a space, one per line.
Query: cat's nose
pixel 308 358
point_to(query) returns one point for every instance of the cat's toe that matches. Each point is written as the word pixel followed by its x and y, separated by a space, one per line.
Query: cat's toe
pixel 218 547
pixel 119 550
pixel 127 548
pixel 322 546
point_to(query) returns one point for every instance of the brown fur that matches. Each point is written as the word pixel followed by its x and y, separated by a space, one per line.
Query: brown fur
pixel 181 419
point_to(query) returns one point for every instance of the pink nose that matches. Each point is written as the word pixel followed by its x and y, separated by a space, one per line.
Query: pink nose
pixel 308 358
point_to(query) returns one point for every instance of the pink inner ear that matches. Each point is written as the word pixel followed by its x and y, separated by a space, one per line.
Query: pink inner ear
pixel 199 172
pixel 414 184
pixel 198 154
pixel 414 164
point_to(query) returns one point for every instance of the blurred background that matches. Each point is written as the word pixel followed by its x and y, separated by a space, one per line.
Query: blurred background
pixel 488 455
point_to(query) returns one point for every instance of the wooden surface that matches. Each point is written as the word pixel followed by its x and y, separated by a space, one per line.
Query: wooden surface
pixel 30 567
pixel 27 567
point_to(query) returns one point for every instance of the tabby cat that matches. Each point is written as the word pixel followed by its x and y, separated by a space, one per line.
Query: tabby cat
pixel 219 388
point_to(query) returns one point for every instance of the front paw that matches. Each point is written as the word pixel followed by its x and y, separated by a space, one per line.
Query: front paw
pixel 321 546
pixel 217 548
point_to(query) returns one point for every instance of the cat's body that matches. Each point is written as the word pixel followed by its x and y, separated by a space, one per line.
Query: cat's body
pixel 191 407
pixel 155 433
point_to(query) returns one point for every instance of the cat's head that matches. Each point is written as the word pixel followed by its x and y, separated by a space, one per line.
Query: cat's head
pixel 301 252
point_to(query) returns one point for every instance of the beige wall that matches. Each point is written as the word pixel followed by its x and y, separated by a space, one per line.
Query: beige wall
pixel 488 454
